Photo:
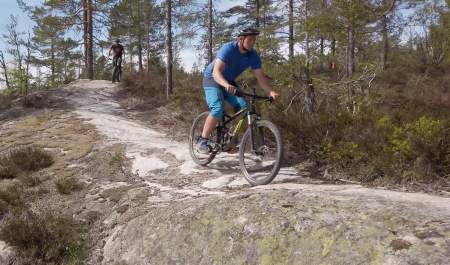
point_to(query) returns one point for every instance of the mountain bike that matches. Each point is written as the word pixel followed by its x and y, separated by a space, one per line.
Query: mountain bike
pixel 117 69
pixel 260 147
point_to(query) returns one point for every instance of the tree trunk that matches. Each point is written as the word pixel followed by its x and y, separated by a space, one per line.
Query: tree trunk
pixel 324 6
pixel 141 67
pixel 210 31
pixel 19 55
pixel 257 13
pixel 307 50
pixel 169 60
pixel 310 96
pixel 139 46
pixel 130 37
pixel 5 70
pixel 88 38
pixel 291 30
pixel 85 34
pixel 148 48
pixel 148 52
pixel 333 46
pixel 27 84
pixel 350 52
pixel 52 64
pixel 384 23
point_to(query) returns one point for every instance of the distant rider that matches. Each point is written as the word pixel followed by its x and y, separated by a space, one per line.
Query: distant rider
pixel 118 52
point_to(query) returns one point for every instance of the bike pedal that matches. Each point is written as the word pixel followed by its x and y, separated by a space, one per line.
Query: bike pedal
pixel 233 150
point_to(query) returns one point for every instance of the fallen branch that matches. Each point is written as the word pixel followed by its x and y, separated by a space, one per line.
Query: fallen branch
pixel 292 100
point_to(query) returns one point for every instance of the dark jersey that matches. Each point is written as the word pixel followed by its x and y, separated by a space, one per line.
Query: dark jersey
pixel 117 49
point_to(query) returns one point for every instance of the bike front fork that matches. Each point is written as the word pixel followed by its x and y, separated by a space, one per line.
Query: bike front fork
pixel 252 118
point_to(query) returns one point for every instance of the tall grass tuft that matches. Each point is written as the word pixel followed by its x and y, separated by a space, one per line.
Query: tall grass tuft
pixel 49 238
pixel 24 159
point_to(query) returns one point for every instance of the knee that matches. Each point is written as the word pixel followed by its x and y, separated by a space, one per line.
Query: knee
pixel 217 112
pixel 241 104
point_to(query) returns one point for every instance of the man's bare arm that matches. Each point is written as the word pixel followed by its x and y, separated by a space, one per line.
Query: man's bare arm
pixel 219 66
pixel 265 83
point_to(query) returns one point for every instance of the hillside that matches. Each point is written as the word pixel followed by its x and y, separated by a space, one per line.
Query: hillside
pixel 139 199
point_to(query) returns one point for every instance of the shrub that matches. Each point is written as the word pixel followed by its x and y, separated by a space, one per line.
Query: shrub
pixel 26 159
pixel 399 135
pixel 8 169
pixel 38 100
pixel 65 185
pixel 10 196
pixel 145 84
pixel 5 101
pixel 31 158
pixel 45 237
pixel 117 159
pixel 31 180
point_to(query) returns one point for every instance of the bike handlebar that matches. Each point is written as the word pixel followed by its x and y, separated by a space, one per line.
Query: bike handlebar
pixel 253 96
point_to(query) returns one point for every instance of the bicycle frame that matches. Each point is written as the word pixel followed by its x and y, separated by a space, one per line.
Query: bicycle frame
pixel 251 114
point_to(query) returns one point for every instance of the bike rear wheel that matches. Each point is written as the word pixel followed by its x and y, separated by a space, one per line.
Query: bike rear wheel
pixel 260 164
pixel 194 134
pixel 115 74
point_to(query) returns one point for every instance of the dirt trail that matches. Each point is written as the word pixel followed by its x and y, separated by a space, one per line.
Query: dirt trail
pixel 155 157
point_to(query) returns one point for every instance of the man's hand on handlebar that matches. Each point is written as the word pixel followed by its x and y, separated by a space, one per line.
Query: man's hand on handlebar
pixel 231 89
pixel 273 94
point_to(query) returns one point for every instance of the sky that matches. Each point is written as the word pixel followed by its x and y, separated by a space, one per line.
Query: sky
pixel 10 7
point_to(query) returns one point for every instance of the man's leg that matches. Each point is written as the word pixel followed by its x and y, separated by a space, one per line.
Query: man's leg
pixel 209 126
pixel 119 68
pixel 214 99
pixel 114 63
pixel 237 103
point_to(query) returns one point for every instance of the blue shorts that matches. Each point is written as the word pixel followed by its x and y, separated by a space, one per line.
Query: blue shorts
pixel 215 98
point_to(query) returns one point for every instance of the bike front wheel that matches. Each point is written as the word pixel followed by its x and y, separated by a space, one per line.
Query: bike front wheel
pixel 260 157
pixel 194 134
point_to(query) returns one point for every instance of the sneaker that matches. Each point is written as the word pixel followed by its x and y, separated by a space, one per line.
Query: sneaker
pixel 203 146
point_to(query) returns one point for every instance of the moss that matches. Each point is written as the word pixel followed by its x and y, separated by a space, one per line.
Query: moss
pixel 115 194
pixel 399 244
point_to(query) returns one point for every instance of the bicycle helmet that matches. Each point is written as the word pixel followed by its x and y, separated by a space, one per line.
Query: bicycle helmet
pixel 249 31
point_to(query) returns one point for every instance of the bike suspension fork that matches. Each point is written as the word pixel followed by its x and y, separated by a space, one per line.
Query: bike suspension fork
pixel 251 124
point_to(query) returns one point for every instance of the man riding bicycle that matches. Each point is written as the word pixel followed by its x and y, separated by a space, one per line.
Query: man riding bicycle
pixel 219 80
pixel 118 51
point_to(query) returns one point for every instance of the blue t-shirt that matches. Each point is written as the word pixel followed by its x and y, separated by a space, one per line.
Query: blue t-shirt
pixel 235 63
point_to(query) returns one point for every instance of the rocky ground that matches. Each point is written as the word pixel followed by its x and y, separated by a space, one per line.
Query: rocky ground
pixel 146 202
